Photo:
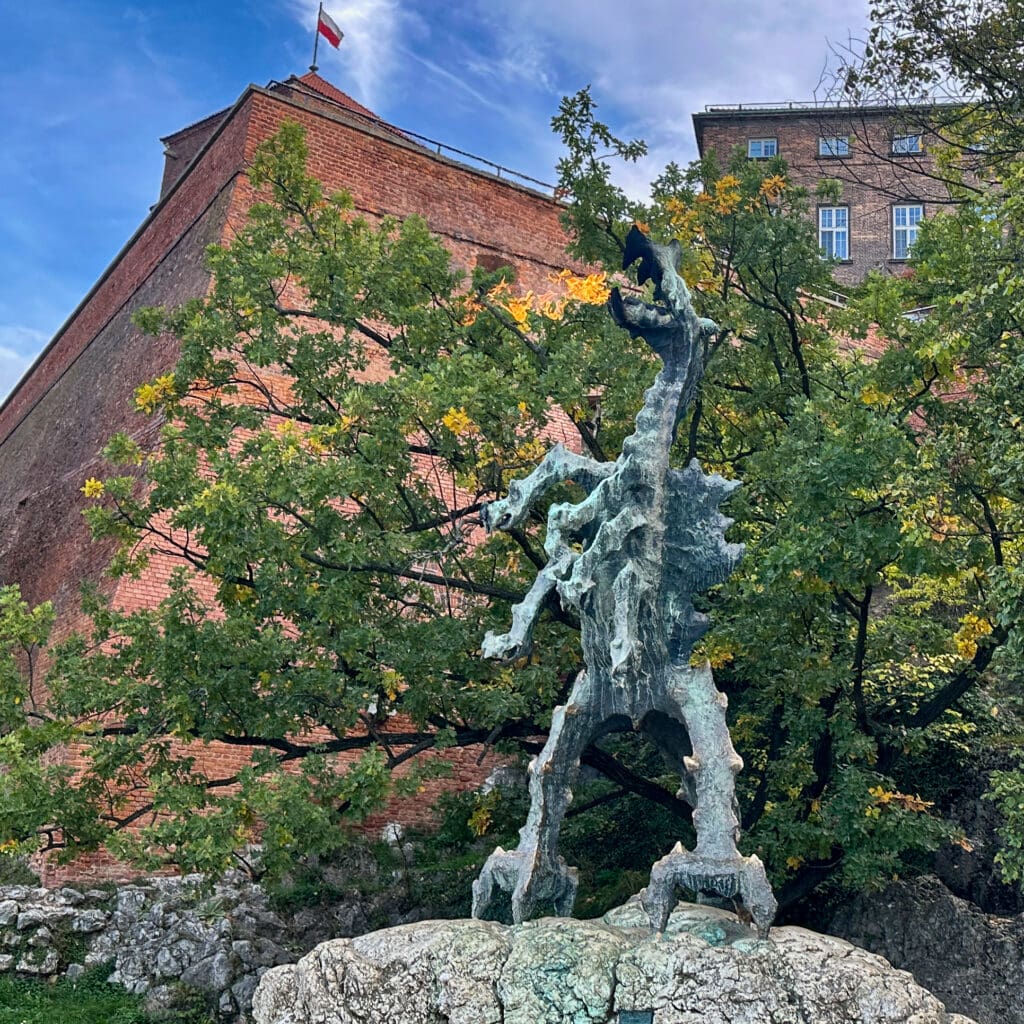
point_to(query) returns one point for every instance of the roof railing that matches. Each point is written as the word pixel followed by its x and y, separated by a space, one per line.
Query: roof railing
pixel 441 148
pixel 726 108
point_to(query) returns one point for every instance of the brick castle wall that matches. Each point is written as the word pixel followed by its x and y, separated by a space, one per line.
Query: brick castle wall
pixel 80 391
pixel 872 179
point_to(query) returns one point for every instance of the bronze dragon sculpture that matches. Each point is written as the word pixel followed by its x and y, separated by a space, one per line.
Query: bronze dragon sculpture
pixel 629 557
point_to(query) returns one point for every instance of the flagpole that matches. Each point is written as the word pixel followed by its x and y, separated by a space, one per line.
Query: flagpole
pixel 316 38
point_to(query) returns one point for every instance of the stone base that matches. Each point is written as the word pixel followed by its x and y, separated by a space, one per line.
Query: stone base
pixel 708 968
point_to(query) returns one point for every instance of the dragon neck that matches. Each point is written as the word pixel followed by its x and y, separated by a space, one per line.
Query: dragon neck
pixel 665 401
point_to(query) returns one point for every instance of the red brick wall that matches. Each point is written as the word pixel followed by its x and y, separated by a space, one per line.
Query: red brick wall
pixel 182 147
pixel 476 214
pixel 80 391
pixel 872 179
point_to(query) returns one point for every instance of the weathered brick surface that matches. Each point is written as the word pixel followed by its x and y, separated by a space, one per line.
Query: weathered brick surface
pixel 872 179
pixel 182 147
pixel 80 391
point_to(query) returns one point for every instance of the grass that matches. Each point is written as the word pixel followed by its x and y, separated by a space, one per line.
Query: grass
pixel 89 1000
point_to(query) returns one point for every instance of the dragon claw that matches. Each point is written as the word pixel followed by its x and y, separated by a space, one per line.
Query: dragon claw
pixel 528 880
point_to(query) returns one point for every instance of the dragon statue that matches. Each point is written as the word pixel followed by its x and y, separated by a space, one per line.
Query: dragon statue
pixel 629 557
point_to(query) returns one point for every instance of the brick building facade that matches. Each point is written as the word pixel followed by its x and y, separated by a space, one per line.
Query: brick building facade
pixel 881 157
pixel 79 391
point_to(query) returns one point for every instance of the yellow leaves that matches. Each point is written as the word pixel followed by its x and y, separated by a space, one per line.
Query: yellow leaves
pixel 149 396
pixel 870 394
pixel 941 528
pixel 530 451
pixel 519 308
pixel 794 862
pixel 884 798
pixel 972 628
pixel 718 659
pixel 772 187
pixel 472 311
pixel 685 220
pixel 642 226
pixel 725 194
pixel 713 650
pixel 391 683
pixel 459 422
pixel 591 290
pixel 552 309
pixel 93 488
pixel 480 820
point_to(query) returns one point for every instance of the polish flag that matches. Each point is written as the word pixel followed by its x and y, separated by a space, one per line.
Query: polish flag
pixel 326 27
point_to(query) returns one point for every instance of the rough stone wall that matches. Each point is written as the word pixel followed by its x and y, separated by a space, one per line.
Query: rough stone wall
pixel 872 179
pixel 165 933
pixel 974 962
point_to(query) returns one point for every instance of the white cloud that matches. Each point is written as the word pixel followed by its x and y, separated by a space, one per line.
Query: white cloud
pixel 652 68
pixel 456 82
pixel 369 51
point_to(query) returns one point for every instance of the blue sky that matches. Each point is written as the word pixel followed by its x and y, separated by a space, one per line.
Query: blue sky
pixel 88 87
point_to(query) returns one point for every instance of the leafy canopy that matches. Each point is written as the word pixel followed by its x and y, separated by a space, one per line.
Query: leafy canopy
pixel 345 401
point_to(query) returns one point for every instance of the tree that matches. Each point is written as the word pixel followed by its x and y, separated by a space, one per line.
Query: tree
pixel 953 68
pixel 873 627
pixel 967 271
pixel 331 593
pixel 334 584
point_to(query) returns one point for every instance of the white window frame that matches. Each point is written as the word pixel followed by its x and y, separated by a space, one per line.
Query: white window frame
pixel 756 148
pixel 905 224
pixel 833 145
pixel 830 231
pixel 907 145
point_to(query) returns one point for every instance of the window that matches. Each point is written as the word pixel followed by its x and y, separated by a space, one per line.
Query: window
pixel 761 149
pixel 904 144
pixel 905 219
pixel 834 145
pixel 834 232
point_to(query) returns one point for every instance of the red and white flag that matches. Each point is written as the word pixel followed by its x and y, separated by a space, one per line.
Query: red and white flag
pixel 326 27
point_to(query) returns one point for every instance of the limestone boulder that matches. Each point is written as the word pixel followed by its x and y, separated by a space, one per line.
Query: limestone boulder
pixel 708 968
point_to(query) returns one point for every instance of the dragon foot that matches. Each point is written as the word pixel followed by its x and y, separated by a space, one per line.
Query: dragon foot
pixel 741 878
pixel 529 881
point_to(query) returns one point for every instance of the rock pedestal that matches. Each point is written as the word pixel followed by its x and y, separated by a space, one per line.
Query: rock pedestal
pixel 708 968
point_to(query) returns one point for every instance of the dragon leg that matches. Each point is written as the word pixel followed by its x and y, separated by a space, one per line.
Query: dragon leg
pixel 534 873
pixel 715 864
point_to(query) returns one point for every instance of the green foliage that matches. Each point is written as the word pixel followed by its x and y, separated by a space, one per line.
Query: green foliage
pixel 345 401
pixel 966 55
pixel 1008 794
pixel 89 1000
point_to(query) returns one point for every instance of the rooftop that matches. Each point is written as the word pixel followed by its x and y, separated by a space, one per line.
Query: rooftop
pixel 819 106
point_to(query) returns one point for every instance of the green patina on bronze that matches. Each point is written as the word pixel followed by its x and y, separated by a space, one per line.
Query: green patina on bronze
pixel 629 557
